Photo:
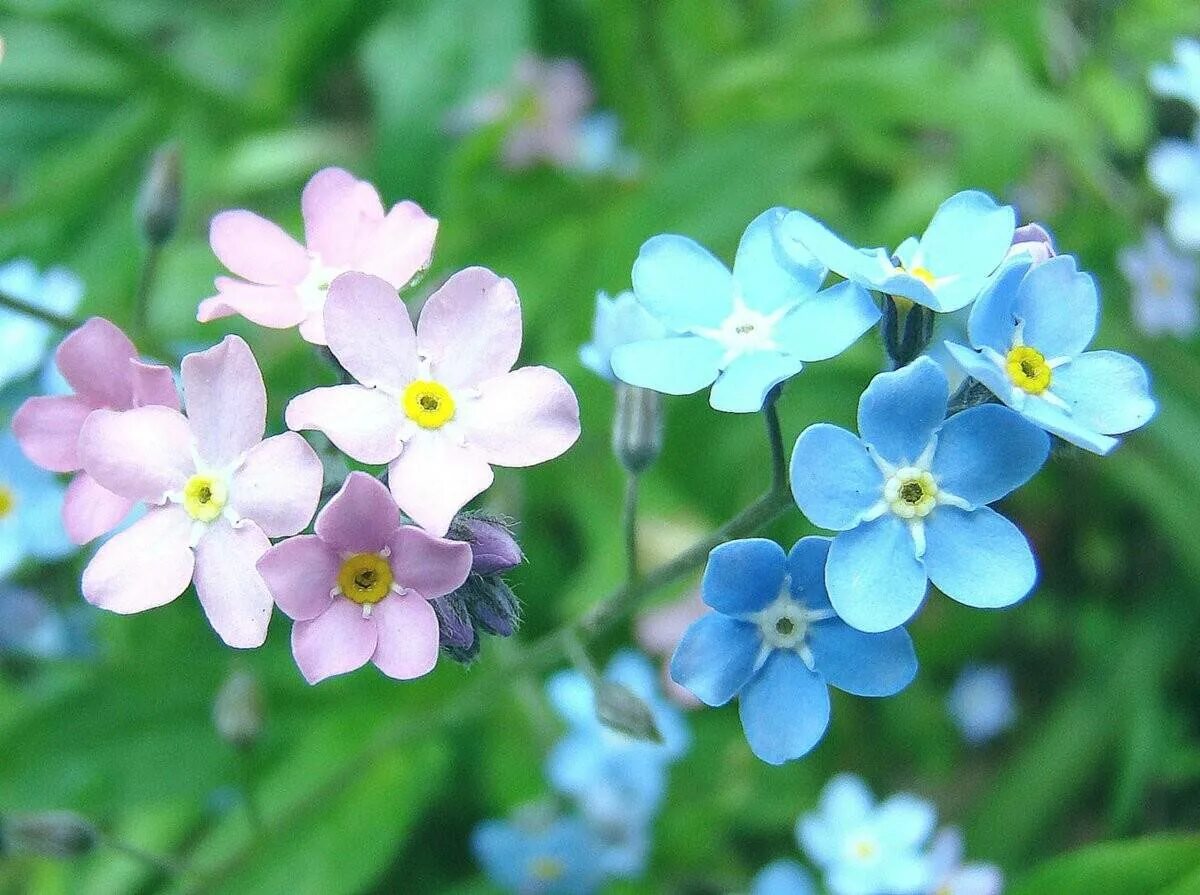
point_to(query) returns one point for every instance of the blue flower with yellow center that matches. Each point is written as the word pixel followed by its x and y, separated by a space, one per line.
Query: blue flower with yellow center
pixel 30 510
pixel 536 853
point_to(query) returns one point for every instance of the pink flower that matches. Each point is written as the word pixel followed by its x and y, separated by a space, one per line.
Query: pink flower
pixel 102 365
pixel 440 405
pixel 359 589
pixel 215 492
pixel 284 283
pixel 659 632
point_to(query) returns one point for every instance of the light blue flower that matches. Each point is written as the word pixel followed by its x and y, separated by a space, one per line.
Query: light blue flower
pixel 618 321
pixel 23 340
pixel 599 147
pixel 1030 329
pixel 909 498
pixel 981 702
pixel 1174 167
pixel 944 270
pixel 776 643
pixel 783 877
pixel 33 628
pixel 1180 78
pixel 1164 285
pixel 746 331
pixel 948 875
pixel 620 822
pixel 533 854
pixel 30 510
pixel 864 848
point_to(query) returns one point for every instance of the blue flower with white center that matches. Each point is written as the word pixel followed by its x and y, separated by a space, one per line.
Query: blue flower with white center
pixel 1164 285
pixel 949 875
pixel 618 321
pixel 742 332
pixel 1029 331
pixel 30 510
pixel 1174 167
pixel 536 854
pixel 944 270
pixel 775 642
pixel 1180 79
pixel 24 341
pixel 981 703
pixel 909 499
pixel 783 877
pixel 864 848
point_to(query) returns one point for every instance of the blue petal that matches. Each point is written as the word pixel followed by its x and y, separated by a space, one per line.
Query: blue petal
pixel 978 557
pixel 992 321
pixel 784 709
pixel 681 283
pixel 1107 392
pixel 1174 166
pixel 783 877
pixel 845 805
pixel 982 369
pixel 899 411
pixel 905 822
pixel 635 671
pixel 572 697
pixel 12 546
pixel 1060 307
pixel 827 323
pixel 716 657
pixel 969 235
pixel 867 266
pixel 834 480
pixel 769 277
pixel 875 580
pixel 575 761
pixel 905 285
pixel 677 366
pixel 1058 422
pixel 806 569
pixel 743 386
pixel 743 576
pixel 986 452
pixel 863 664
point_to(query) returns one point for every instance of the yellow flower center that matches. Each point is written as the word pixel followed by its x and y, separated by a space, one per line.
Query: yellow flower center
pixel 204 497
pixel 924 274
pixel 1028 370
pixel 428 404
pixel 911 493
pixel 8 501
pixel 1160 283
pixel 365 578
pixel 864 849
pixel 546 870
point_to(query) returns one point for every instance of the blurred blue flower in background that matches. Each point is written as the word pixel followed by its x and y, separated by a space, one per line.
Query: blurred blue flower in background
pixel 783 877
pixel 598 139
pixel 1180 78
pixel 25 341
pixel 618 321
pixel 538 853
pixel 33 628
pixel 1174 167
pixel 776 643
pixel 948 875
pixel 982 703
pixel 30 510
pixel 1164 283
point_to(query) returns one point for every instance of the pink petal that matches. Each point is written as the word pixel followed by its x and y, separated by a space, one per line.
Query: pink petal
pixel 226 401
pixel 147 565
pixel 361 517
pixel 471 328
pixel 153 384
pixel 430 566
pixel 522 418
pixel 254 248
pixel 433 478
pixel 312 328
pixel 301 573
pixel 234 596
pixel 339 211
pixel 279 485
pixel 361 422
pixel 336 641
pixel 400 246
pixel 369 331
pixel 140 454
pixel 90 510
pixel 277 307
pixel 408 637
pixel 47 428
pixel 660 630
pixel 95 360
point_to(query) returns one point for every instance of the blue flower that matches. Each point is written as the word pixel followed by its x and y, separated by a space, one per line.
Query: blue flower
pixel 864 848
pixel 945 270
pixel 1180 79
pixel 776 643
pixel 783 877
pixel 24 340
pixel 1164 284
pixel 747 331
pixel 618 321
pixel 1030 329
pixel 981 702
pixel 1174 167
pixel 30 510
pixel 33 628
pixel 620 822
pixel 948 875
pixel 538 855
pixel 910 496
pixel 599 149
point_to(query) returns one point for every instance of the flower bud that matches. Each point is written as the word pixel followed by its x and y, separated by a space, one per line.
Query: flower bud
pixel 158 201
pixel 52 834
pixel 1034 241
pixel 637 436
pixel 493 548
pixel 454 622
pixel 494 606
pixel 619 708
pixel 238 710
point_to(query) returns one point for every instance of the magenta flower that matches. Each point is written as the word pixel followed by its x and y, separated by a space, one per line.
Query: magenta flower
pixel 440 405
pixel 359 589
pixel 345 228
pixel 215 492
pixel 102 366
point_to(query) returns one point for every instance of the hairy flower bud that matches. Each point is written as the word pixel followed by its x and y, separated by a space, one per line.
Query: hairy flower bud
pixel 158 201
pixel 238 710
pixel 637 436
pixel 619 708
pixel 454 622
pixel 493 548
pixel 494 606
pixel 53 834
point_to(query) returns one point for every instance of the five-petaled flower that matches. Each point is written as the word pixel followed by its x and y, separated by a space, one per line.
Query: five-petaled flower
pixel 776 643
pixel 440 405
pixel 1164 284
pixel 215 490
pixel 949 874
pixel 910 496
pixel 359 588
pixel 742 332
pixel 537 853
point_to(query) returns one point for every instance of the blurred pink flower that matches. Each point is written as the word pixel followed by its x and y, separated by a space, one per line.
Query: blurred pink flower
pixel 102 366
pixel 284 284
pixel 215 491
pixel 659 632
pixel 359 588
pixel 440 405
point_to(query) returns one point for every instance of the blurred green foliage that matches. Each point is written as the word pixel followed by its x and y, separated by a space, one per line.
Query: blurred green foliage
pixel 865 113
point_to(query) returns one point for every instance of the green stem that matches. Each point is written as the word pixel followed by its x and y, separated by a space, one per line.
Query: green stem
pixel 629 522
pixel 160 863
pixel 145 287
pixel 59 320
pixel 779 472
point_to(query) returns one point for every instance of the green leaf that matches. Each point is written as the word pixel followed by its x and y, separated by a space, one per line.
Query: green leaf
pixel 1156 865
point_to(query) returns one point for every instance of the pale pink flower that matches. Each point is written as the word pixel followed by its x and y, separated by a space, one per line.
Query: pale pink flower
pixel 359 589
pixel 440 405
pixel 659 631
pixel 284 283
pixel 102 366
pixel 215 492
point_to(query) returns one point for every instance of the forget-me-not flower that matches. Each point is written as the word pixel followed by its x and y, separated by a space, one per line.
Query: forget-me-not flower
pixel 1174 167
pixel 909 498
pixel 1030 330
pixel 775 642
pixel 1164 284
pixel 981 702
pixel 967 239
pixel 620 822
pixel 618 321
pixel 742 332
pixel 864 848
pixel 783 877
pixel 535 854
pixel 1181 77
pixel 24 340
pixel 948 875
pixel 30 510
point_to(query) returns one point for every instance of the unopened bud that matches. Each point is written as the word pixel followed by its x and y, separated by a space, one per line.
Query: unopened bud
pixel 454 622
pixel 238 710
pixel 493 548
pixel 619 708
pixel 637 437
pixel 52 834
pixel 158 201
pixel 494 606
pixel 1034 241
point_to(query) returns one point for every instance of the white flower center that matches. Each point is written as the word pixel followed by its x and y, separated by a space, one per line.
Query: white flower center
pixel 785 624
pixel 744 331
pixel 314 288
pixel 911 493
